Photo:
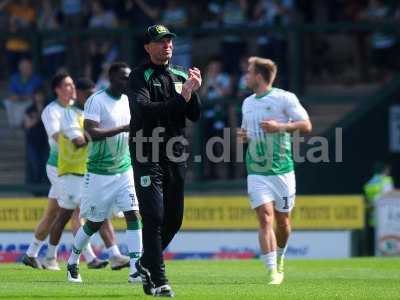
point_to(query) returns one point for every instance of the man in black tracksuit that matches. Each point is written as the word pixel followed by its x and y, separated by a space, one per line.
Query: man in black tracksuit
pixel 161 98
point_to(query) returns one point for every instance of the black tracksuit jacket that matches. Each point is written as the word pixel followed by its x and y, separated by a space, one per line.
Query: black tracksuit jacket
pixel 155 102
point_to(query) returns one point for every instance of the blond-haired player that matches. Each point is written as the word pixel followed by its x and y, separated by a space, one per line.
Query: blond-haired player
pixel 270 115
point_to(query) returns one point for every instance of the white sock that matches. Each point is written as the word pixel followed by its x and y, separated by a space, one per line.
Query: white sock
pixel 113 251
pixel 269 260
pixel 80 241
pixel 34 248
pixel 135 246
pixel 88 253
pixel 52 251
pixel 280 252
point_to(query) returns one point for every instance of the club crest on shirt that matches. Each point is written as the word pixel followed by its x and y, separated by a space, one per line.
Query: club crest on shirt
pixel 145 181
pixel 178 87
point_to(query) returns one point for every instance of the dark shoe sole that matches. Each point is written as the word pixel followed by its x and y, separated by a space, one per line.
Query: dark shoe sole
pixel 120 267
pixel 169 295
pixel 165 293
pixel 98 266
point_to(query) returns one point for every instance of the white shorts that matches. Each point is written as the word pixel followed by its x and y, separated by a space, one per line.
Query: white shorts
pixel 52 175
pixel 71 191
pixel 104 193
pixel 280 189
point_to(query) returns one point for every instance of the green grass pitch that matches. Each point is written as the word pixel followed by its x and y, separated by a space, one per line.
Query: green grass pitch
pixel 359 278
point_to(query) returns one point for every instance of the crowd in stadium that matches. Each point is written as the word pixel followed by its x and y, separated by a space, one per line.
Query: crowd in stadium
pixel 223 70
pixel 79 14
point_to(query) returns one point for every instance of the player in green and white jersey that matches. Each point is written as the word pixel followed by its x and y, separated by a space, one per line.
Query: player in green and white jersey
pixel 63 86
pixel 71 167
pixel 109 179
pixel 269 116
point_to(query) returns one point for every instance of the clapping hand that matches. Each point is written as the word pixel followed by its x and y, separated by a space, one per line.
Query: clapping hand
pixel 192 84
pixel 195 78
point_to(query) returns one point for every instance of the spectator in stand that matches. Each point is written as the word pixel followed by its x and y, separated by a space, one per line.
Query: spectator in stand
pixel 139 14
pixel 36 140
pixel 73 18
pixel 384 45
pixel 103 82
pixel 175 15
pixel 234 14
pixel 73 13
pixel 350 12
pixel 274 45
pixel 101 17
pixel 242 89
pixel 53 55
pixel 217 84
pixel 21 17
pixel 211 12
pixel 274 12
pixel 22 87
pixel 105 50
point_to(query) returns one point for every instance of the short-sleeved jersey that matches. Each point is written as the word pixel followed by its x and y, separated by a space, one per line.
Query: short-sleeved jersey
pixel 111 155
pixel 270 153
pixel 71 160
pixel 51 118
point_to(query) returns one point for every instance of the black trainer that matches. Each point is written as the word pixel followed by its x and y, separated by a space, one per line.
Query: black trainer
pixel 31 261
pixel 148 285
pixel 73 273
pixel 164 291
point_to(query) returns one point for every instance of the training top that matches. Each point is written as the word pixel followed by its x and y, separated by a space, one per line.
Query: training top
pixel 110 155
pixel 71 160
pixel 270 153
pixel 156 103
pixel 51 118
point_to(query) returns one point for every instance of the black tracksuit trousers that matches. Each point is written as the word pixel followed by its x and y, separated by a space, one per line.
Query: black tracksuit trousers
pixel 159 188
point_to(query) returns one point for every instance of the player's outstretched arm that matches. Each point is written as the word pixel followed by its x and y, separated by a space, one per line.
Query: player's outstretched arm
pixel 95 133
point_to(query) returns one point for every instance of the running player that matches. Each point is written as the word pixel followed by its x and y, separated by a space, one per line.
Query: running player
pixel 269 116
pixel 109 181
pixel 72 159
pixel 63 86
